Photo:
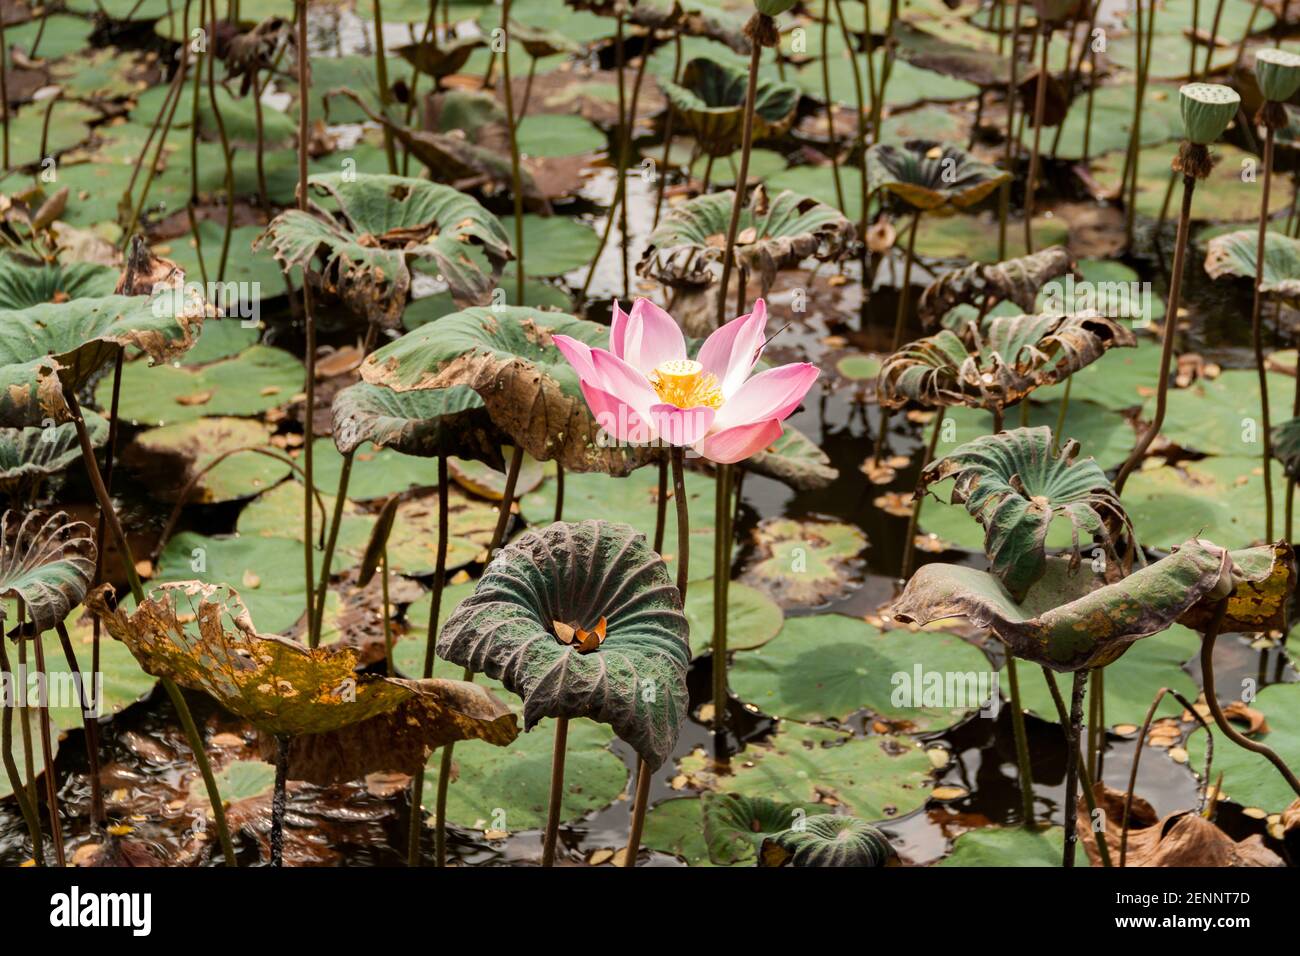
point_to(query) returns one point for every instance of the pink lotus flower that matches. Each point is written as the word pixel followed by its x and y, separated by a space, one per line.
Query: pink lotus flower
pixel 645 389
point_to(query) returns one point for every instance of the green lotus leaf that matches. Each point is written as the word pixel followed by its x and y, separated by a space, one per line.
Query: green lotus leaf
pixel 424 422
pixel 1286 445
pixel 169 457
pixel 735 825
pixel 686 249
pixel 1008 846
pixel 794 459
pixel 710 102
pixel 1233 254
pixel 979 284
pixel 45 347
pixel 931 177
pixel 47 561
pixel 28 455
pixel 827 840
pixel 1249 778
pixel 25 282
pixel 578 575
pixel 1015 484
pixel 1000 364
pixel 387 225
pixel 507 356
pixel 1071 621
pixel 869 777
pixel 805 563
pixel 202 637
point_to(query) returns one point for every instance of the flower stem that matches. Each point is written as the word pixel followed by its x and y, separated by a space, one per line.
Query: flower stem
pixel 309 324
pixel 721 580
pixel 742 177
pixel 638 813
pixel 557 791
pixel 1085 779
pixel 90 724
pixel 1212 700
pixel 47 753
pixel 444 766
pixel 137 591
pixel 25 806
pixel 1167 348
pixel 516 179
pixel 1256 335
pixel 1072 768
pixel 1023 768
pixel 340 501
pixel 278 800
pixel 1040 104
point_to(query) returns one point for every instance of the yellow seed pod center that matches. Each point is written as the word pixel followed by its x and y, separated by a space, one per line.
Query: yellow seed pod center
pixel 684 383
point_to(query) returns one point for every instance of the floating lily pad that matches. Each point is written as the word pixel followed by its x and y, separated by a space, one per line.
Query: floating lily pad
pixel 516 780
pixel 805 563
pixel 1224 196
pixel 1112 120
pixel 171 455
pixel 376 472
pixel 870 777
pixel 562 135
pixel 1249 778
pixel 1009 846
pixel 554 245
pixel 1222 416
pixel 976 237
pixel 828 667
pixel 257 379
pixel 674 826
pixel 753 618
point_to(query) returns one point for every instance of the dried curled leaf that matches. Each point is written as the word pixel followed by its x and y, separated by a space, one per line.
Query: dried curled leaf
pixel 46 347
pixel 1017 280
pixel 1262 581
pixel 1071 621
pixel 635 680
pixel 999 365
pixel 686 249
pixel 1014 484
pixel 930 176
pixel 202 637
pixel 388 225
pixel 507 356
pixel 710 102
pixel 47 561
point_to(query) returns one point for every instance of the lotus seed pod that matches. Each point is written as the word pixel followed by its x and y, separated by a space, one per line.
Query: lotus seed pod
pixel 1278 73
pixel 772 8
pixel 1207 108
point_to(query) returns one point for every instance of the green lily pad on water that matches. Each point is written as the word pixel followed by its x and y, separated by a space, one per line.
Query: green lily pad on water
pixel 60 34
pixel 1222 499
pixel 170 455
pixel 1248 778
pixel 267 572
pixel 828 667
pixel 376 472
pixel 1224 196
pixel 237 780
pixel 819 183
pixel 1010 846
pixel 67 128
pixel 976 237
pixel 753 618
pixel 553 245
pixel 277 513
pixel 259 275
pixel 1222 416
pixel 1112 121
pixel 507 788
pixel 632 500
pixel 558 135
pixel 1124 379
pixel 870 777
pixel 257 379
pixel 675 826
pixel 805 563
